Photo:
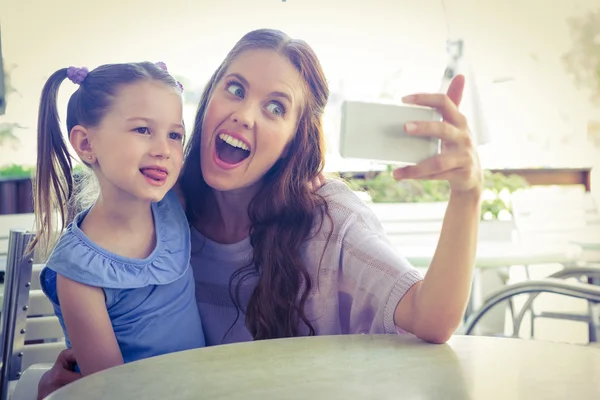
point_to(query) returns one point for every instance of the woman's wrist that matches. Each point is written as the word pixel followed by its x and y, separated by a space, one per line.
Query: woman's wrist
pixel 471 196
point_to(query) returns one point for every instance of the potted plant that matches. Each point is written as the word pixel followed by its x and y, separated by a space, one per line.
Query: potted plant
pixel 496 209
pixel 383 188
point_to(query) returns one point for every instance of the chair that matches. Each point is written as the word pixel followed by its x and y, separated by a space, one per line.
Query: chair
pixel 579 290
pixel 31 334
pixel 591 274
pixel 555 214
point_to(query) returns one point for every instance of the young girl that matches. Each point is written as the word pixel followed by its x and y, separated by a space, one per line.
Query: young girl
pixel 119 277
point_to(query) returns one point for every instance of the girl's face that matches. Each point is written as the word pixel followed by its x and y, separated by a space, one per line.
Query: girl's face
pixel 251 117
pixel 137 149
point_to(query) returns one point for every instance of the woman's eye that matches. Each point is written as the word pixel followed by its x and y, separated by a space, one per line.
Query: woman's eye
pixel 235 89
pixel 142 129
pixel 276 109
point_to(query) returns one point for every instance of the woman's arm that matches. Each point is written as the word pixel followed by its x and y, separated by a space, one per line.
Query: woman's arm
pixel 433 309
pixel 88 325
pixel 59 375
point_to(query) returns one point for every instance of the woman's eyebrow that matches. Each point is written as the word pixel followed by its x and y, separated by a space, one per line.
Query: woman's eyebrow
pixel 283 95
pixel 239 77
pixel 245 82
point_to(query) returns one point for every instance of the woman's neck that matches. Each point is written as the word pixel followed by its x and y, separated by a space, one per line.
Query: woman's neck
pixel 225 215
pixel 124 227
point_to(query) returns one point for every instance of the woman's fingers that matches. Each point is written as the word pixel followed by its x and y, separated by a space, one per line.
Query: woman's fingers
pixel 446 104
pixel 442 130
pixel 442 103
pixel 456 89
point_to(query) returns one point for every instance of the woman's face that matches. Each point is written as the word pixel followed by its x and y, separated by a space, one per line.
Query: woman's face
pixel 250 119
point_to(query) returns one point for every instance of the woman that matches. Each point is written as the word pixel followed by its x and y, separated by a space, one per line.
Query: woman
pixel 273 258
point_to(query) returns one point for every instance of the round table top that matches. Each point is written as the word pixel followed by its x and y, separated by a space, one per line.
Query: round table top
pixel 355 367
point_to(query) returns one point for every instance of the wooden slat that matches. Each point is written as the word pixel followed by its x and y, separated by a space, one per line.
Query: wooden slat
pixel 552 176
pixel 41 353
pixel 39 305
pixel 35 276
pixel 42 328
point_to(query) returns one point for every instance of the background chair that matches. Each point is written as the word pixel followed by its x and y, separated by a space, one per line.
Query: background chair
pixel 579 290
pixel 31 334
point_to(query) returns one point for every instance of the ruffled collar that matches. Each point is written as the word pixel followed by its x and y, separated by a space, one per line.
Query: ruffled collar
pixel 80 259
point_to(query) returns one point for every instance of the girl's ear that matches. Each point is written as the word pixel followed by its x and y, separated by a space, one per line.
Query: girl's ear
pixel 80 140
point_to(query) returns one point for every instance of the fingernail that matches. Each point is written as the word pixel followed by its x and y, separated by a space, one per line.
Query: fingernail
pixel 410 127
pixel 409 99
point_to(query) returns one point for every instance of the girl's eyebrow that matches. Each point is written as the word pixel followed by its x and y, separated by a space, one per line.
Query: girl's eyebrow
pixel 150 120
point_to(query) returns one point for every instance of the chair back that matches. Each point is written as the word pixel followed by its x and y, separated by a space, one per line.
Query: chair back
pixel 31 332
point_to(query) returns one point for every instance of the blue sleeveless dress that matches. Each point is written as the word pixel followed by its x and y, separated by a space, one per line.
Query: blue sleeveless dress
pixel 151 302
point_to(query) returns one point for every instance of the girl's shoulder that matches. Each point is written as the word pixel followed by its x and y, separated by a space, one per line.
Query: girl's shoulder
pixel 79 258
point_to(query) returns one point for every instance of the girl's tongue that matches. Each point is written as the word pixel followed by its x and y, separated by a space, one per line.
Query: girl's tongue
pixel 155 174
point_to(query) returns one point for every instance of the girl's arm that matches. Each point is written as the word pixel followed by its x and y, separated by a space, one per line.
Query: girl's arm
pixel 88 325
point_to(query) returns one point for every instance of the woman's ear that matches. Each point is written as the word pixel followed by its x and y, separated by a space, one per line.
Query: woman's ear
pixel 80 140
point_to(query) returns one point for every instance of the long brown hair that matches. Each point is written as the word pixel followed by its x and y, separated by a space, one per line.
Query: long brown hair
pixel 284 211
pixel 54 184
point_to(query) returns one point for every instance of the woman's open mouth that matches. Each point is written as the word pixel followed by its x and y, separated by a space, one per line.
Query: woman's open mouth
pixel 229 150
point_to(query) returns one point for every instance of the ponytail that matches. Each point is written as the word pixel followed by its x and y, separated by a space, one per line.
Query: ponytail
pixel 53 180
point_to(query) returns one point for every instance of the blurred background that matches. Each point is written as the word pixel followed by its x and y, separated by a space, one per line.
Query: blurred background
pixel 532 96
pixel 533 92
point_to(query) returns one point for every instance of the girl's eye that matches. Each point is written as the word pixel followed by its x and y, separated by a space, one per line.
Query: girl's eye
pixel 175 136
pixel 142 129
pixel 276 109
pixel 235 89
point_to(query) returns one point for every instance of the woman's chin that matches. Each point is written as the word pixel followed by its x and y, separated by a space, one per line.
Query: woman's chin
pixel 219 181
pixel 224 180
pixel 222 183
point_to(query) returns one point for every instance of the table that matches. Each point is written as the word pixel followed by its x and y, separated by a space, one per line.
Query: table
pixel 355 367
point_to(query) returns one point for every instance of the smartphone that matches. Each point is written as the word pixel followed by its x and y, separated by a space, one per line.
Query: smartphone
pixel 375 131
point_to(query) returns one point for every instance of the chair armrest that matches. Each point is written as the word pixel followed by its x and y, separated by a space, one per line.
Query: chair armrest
pixel 549 285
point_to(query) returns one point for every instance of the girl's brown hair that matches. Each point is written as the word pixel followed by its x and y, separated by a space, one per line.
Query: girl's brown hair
pixel 284 211
pixel 54 183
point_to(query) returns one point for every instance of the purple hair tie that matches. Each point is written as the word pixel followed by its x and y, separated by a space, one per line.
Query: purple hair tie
pixel 163 66
pixel 77 75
